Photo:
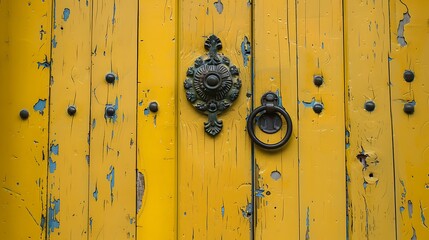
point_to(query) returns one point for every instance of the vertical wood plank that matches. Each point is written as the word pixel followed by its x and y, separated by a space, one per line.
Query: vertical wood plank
pixel 157 131
pixel 68 134
pixel 214 173
pixel 112 211
pixel 25 33
pixel 321 136
pixel 276 184
pixel 369 147
pixel 409 52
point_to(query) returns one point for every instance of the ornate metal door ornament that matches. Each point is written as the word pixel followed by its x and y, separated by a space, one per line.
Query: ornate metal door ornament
pixel 212 84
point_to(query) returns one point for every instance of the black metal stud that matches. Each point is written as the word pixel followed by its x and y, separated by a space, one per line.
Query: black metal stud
pixel 110 78
pixel 110 111
pixel 71 110
pixel 153 107
pixel 318 80
pixel 317 108
pixel 24 114
pixel 408 76
pixel 369 106
pixel 409 108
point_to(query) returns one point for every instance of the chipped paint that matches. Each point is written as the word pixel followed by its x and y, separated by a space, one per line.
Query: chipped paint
pixel 66 14
pixel 54 42
pixel 222 210
pixel 259 193
pixel 309 104
pixel 307 224
pixel 401 29
pixel 410 209
pixel 140 190
pixel 40 106
pixel 219 6
pixel 54 209
pixel 111 177
pixel 245 50
pixel 44 64
pixel 95 193
pixel 146 111
pixel 114 12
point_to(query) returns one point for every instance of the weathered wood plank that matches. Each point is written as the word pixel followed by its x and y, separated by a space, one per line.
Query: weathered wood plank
pixel 157 131
pixel 276 183
pixel 68 133
pixel 321 136
pixel 409 52
pixel 112 211
pixel 214 173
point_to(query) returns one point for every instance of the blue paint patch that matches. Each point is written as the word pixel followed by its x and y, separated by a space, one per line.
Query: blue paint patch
pixel 413 103
pixel 55 149
pixel 111 177
pixel 245 50
pixel 414 237
pixel 365 184
pixel 90 224
pixel 54 42
pixel 280 98
pixel 53 211
pixel 222 210
pixel 401 209
pixel 140 103
pixel 52 165
pixel 88 159
pixel 422 215
pixel 259 193
pixel 40 106
pixel 410 209
pixel 66 14
pixel 347 133
pixel 307 223
pixel 95 193
pixel 44 64
pixel 404 193
pixel 146 111
pixel 94 122
pixel 309 104
pixel 42 222
pixel 389 59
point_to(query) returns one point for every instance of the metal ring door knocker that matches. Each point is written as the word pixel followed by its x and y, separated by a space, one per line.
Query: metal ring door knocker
pixel 269 121
pixel 212 84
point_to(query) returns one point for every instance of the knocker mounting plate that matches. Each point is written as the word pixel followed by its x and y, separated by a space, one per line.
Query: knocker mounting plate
pixel 212 84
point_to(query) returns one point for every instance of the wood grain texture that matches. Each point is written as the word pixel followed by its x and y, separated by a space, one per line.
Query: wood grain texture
pixel 68 166
pixel 214 173
pixel 369 148
pixel 275 70
pixel 409 51
pixel 25 60
pixel 321 136
pixel 157 131
pixel 112 211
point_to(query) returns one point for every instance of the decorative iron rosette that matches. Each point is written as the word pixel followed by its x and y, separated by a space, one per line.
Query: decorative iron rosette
pixel 212 84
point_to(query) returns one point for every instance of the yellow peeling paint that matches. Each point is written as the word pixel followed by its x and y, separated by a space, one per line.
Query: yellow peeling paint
pixel 214 173
pixel 411 132
pixel 369 151
pixel 276 173
pixel 112 214
pixel 25 32
pixel 346 173
pixel 321 136
pixel 68 164
pixel 157 131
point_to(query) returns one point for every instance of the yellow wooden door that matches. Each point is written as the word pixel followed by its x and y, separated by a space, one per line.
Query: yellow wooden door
pixel 103 139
